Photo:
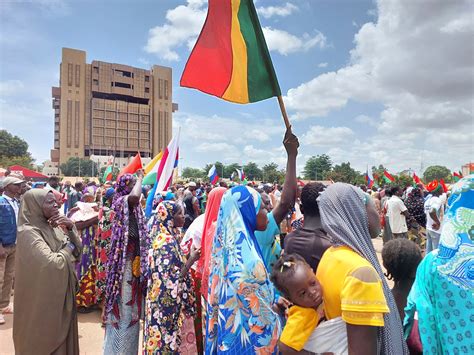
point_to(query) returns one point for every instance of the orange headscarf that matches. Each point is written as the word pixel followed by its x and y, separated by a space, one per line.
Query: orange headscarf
pixel 210 219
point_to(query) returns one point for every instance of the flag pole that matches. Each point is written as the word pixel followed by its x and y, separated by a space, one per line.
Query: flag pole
pixel 283 112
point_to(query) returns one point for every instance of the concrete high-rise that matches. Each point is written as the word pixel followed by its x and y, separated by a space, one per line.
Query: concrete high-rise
pixel 105 109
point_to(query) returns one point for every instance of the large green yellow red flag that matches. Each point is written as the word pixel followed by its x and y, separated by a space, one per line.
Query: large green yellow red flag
pixel 230 59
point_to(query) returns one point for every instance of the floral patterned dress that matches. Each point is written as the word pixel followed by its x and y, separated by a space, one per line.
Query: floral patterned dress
pixel 170 303
pixel 86 269
pixel 104 232
pixel 240 318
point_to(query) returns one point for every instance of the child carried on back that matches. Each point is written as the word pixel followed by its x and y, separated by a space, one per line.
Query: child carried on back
pixel 306 329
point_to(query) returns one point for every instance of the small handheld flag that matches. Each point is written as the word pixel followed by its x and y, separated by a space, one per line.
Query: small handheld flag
pixel 132 167
pixel 241 174
pixel 388 178
pixel 212 174
pixel 107 174
pixel 369 179
pixel 457 176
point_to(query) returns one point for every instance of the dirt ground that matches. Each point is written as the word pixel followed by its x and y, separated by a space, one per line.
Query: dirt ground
pixel 91 334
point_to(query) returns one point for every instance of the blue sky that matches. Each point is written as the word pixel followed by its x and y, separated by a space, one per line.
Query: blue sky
pixel 386 82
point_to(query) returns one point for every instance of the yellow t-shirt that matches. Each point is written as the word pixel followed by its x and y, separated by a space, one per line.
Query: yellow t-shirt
pixel 352 289
pixel 299 326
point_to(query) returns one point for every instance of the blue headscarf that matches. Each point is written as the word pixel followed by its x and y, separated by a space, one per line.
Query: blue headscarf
pixel 442 293
pixel 239 287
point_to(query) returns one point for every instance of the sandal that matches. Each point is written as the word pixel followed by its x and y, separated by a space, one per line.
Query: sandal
pixel 8 309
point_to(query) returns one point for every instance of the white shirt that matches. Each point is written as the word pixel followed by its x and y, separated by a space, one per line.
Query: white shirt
pixel 15 205
pixel 434 202
pixel 397 220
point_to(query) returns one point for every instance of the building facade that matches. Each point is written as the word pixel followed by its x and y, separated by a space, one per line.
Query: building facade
pixel 107 109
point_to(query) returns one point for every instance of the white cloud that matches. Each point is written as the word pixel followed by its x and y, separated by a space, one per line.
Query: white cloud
pixel 230 140
pixel 183 24
pixel 286 43
pixel 282 11
pixel 319 136
pixel 415 61
pixel 402 54
pixel 322 65
pixel 459 25
pixel 11 87
pixel 223 148
pixel 366 120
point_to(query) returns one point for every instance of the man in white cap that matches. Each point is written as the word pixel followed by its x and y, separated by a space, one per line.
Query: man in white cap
pixel 9 208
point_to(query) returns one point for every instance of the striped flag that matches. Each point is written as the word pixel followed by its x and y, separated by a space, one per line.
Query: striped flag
pixel 164 176
pixel 230 59
pixel 241 174
pixel 369 179
pixel 212 175
pixel 151 169
pixel 388 178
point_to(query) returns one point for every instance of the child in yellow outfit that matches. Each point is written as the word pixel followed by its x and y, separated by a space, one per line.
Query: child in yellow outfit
pixel 295 279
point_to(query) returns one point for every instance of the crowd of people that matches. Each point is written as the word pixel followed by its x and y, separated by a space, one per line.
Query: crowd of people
pixel 234 268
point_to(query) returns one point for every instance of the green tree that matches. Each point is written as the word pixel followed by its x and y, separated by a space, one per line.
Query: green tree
pixel 79 167
pixel 14 151
pixel 271 173
pixel 252 171
pixel 345 173
pixel 317 167
pixel 403 180
pixel 437 172
pixel 189 173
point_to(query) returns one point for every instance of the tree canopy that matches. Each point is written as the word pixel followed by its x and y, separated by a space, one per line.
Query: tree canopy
pixel 317 167
pixel 14 150
pixel 189 173
pixel 345 173
pixel 437 172
pixel 79 167
pixel 252 171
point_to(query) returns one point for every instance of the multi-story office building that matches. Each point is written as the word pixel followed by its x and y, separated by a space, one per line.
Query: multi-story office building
pixel 105 109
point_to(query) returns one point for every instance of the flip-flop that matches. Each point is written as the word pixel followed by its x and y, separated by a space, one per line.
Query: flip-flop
pixel 8 309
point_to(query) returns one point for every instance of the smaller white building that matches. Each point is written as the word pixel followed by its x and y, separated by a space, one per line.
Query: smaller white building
pixel 50 168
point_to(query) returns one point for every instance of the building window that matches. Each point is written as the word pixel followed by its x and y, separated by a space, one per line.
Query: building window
pixel 78 75
pixel 160 129
pixel 69 73
pixel 147 90
pixel 122 85
pixel 95 82
pixel 123 73
pixel 76 124
pixel 160 88
pixel 166 89
pixel 95 70
pixel 147 78
pixel 69 122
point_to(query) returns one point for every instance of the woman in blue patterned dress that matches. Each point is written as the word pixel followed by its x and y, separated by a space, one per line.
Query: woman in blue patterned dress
pixel 442 294
pixel 240 318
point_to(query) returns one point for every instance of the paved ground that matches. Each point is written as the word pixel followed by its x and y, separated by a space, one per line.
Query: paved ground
pixel 91 335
